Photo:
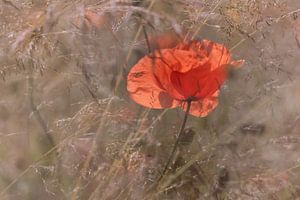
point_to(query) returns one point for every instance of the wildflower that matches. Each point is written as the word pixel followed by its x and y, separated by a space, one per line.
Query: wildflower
pixel 190 72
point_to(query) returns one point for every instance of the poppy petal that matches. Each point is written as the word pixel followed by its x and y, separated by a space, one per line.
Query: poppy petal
pixel 188 60
pixel 168 61
pixel 187 83
pixel 188 57
pixel 212 82
pixel 144 88
pixel 191 71
pixel 202 107
pixel 218 54
pixel 162 68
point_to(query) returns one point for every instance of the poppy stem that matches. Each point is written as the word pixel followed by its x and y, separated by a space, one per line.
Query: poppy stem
pixel 177 140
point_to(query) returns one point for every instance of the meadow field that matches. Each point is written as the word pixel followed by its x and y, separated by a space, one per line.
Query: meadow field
pixel 71 130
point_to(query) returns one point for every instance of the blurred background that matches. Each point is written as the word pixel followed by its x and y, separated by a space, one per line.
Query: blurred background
pixel 68 129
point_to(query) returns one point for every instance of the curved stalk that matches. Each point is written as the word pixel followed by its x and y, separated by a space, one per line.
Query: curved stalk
pixel 177 140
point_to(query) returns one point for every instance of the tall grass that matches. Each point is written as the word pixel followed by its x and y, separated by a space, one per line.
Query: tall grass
pixel 68 129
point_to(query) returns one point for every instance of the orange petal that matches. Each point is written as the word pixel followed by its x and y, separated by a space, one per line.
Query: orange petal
pixel 203 107
pixel 215 53
pixel 188 60
pixel 200 82
pixel 190 83
pixel 218 54
pixel 212 82
pixel 144 88
pixel 182 58
pixel 167 61
pixel 162 63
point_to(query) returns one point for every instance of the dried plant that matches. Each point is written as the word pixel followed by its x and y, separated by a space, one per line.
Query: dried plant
pixel 69 130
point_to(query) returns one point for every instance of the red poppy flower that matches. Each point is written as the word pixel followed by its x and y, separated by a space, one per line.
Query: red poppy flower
pixel 192 71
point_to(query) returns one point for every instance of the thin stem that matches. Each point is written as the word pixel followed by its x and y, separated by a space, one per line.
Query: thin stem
pixel 177 140
pixel 37 113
